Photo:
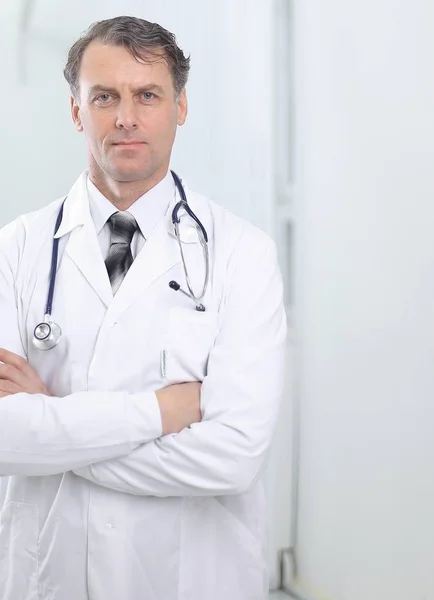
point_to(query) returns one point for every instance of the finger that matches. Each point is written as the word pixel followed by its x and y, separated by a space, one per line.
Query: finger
pixel 9 387
pixel 11 373
pixel 20 363
pixel 21 381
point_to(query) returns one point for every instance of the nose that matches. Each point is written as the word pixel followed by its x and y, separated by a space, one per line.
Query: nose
pixel 127 115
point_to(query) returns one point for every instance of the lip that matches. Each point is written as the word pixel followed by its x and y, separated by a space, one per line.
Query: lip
pixel 131 144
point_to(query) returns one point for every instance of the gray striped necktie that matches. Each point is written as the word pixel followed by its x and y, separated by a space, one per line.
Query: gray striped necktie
pixel 119 259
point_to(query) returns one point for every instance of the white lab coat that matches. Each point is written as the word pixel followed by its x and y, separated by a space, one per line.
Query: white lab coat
pixel 96 504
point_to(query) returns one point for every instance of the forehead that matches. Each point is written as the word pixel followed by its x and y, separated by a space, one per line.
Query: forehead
pixel 115 66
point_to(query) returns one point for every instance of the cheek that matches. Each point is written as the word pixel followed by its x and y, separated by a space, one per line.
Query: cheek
pixel 163 127
pixel 95 132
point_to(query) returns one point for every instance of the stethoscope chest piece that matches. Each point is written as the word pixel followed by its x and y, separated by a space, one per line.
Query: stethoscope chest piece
pixel 46 335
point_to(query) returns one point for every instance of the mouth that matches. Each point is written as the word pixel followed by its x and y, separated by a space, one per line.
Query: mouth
pixel 129 145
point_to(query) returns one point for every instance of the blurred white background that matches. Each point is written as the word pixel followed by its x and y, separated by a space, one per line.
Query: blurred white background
pixel 315 121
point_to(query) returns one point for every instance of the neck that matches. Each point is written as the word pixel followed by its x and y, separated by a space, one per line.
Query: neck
pixel 123 194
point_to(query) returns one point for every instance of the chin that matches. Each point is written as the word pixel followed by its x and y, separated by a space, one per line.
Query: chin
pixel 129 174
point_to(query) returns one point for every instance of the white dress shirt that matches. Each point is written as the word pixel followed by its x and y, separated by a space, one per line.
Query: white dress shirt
pixel 147 210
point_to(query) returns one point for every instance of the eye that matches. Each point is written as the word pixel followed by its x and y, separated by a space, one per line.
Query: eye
pixel 148 95
pixel 103 98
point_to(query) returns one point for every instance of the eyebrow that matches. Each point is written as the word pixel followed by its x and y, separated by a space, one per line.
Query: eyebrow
pixel 151 87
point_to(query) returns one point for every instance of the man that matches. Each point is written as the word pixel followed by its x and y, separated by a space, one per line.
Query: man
pixel 133 436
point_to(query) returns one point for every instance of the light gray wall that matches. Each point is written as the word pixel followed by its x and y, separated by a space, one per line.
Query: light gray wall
pixel 365 101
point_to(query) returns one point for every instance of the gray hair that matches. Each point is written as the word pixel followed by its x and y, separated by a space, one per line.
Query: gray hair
pixel 141 38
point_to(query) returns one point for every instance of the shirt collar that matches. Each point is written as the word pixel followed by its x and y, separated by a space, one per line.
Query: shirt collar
pixel 76 210
pixel 147 210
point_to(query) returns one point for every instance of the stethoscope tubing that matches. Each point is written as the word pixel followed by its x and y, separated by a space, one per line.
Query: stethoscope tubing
pixel 54 257
pixel 203 237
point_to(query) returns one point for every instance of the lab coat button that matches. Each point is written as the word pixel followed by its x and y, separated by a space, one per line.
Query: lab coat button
pixel 110 526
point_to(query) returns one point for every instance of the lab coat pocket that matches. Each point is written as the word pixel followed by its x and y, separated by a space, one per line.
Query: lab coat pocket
pixel 190 337
pixel 236 534
pixel 235 551
pixel 19 530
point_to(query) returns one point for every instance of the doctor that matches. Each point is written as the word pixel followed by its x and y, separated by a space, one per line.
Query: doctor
pixel 133 444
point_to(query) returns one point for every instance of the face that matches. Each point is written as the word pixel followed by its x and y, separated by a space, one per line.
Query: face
pixel 128 112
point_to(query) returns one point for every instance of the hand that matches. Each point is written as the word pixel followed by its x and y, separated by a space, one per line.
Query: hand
pixel 179 406
pixel 16 375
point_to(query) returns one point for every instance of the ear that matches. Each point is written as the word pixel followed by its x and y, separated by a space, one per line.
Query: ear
pixel 75 113
pixel 182 108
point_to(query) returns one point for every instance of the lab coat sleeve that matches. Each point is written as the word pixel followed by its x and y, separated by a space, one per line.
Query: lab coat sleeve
pixel 225 453
pixel 41 435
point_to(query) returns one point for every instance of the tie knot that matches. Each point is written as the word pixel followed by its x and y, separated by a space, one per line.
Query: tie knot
pixel 123 226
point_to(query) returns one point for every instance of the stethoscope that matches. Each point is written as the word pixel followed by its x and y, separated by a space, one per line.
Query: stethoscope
pixel 47 334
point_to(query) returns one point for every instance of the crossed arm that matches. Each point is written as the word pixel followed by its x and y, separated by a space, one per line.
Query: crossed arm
pixel 219 449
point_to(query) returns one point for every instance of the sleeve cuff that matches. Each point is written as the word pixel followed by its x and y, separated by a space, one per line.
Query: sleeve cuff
pixel 146 416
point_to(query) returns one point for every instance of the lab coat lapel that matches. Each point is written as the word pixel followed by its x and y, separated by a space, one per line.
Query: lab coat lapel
pixel 83 249
pixel 82 246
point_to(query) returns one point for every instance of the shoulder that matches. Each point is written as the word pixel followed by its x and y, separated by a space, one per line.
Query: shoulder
pixel 27 233
pixel 230 234
pixel 246 271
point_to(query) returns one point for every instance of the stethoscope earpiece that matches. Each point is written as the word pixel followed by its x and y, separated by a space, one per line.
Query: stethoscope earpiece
pixel 177 288
pixel 203 238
